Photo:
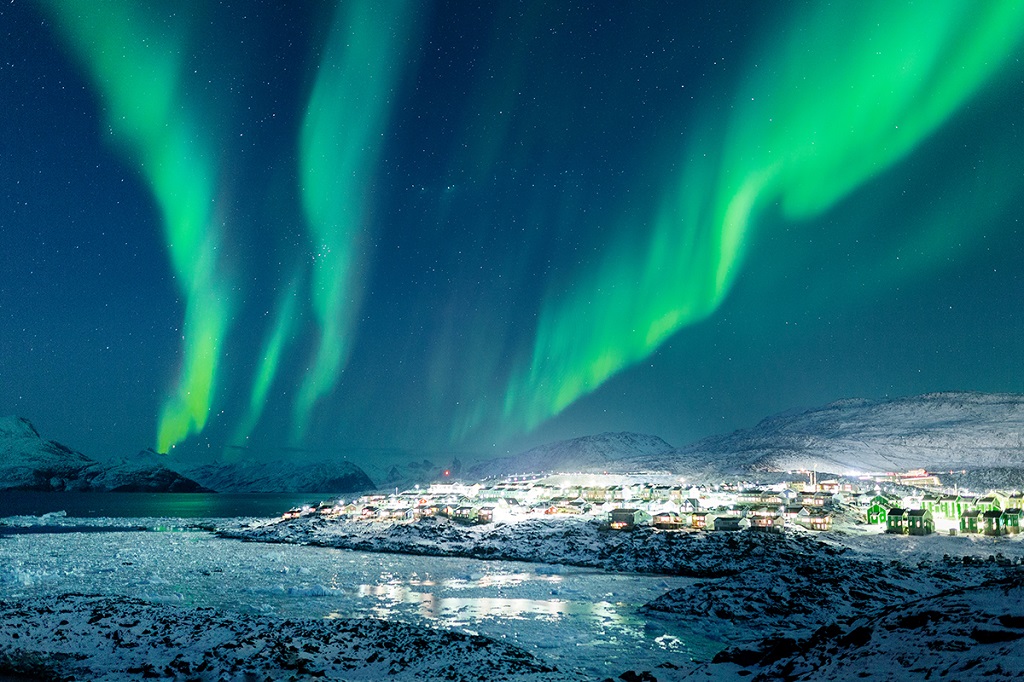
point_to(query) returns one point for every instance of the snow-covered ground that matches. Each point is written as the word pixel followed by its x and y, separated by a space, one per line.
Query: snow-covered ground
pixel 603 603
pixel 755 592
pixel 571 540
pixel 584 622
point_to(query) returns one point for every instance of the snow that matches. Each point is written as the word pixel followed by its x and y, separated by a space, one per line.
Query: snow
pixel 281 476
pixel 755 589
pixel 971 633
pixel 594 614
pixel 937 431
pixel 134 639
pixel 573 541
pixel 27 462
pixel 658 601
pixel 586 453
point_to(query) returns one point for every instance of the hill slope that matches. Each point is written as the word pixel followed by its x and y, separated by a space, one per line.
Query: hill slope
pixel 281 477
pixel 27 462
pixel 589 453
pixel 935 431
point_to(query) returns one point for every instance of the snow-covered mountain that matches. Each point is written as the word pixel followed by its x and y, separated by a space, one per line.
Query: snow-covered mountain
pixel 27 462
pixel 588 453
pixel 935 431
pixel 283 476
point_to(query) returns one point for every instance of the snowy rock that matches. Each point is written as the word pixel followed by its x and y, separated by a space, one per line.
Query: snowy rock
pixel 937 431
pixel 281 477
pixel 119 638
pixel 27 462
pixel 571 542
pixel 971 633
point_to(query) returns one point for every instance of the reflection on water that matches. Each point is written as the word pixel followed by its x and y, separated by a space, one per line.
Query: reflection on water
pixel 584 618
pixel 464 611
pixel 576 618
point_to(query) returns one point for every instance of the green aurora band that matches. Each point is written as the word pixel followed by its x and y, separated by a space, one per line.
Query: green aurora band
pixel 135 59
pixel 339 148
pixel 273 347
pixel 831 101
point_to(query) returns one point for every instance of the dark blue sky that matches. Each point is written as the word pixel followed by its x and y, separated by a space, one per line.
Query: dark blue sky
pixel 456 227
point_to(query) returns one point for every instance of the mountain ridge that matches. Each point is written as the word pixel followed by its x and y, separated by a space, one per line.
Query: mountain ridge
pixel 594 452
pixel 31 463
pixel 943 430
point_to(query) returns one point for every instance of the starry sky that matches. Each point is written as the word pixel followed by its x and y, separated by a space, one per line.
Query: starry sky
pixel 253 228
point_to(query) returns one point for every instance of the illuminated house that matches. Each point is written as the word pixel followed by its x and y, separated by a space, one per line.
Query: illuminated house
pixel 773 523
pixel 628 519
pixel 994 523
pixel 597 493
pixel 466 514
pixel 951 506
pixel 987 504
pixel 814 519
pixel 920 522
pixel 1011 520
pixel 970 520
pixel 932 502
pixel 817 499
pixel 790 513
pixel 878 510
pixel 896 521
pixel 702 520
pixel 667 520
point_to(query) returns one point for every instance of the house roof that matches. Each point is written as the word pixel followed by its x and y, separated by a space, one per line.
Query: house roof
pixel 918 512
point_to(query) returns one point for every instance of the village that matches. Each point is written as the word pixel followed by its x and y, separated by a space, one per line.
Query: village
pixel 910 503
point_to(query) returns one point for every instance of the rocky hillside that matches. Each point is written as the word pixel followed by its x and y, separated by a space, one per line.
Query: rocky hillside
pixel 935 431
pixel 282 477
pixel 28 462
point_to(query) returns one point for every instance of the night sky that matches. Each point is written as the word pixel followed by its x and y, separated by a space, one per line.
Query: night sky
pixel 470 227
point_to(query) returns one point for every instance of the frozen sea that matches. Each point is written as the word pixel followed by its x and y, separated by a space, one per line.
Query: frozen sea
pixel 579 619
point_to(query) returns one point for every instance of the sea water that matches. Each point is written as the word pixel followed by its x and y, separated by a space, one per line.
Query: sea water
pixel 156 505
pixel 579 619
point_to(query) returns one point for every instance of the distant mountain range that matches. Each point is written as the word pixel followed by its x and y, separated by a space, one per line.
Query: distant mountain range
pixel 281 477
pixel 602 452
pixel 938 431
pixel 27 462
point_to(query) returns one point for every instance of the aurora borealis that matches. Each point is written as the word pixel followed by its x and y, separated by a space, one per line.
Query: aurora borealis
pixel 449 227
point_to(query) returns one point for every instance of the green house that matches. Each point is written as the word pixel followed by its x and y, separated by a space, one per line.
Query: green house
pixel 920 522
pixel 896 521
pixel 951 506
pixel 877 514
pixel 994 524
pixel 932 503
pixel 970 521
pixel 1011 520
pixel 987 504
